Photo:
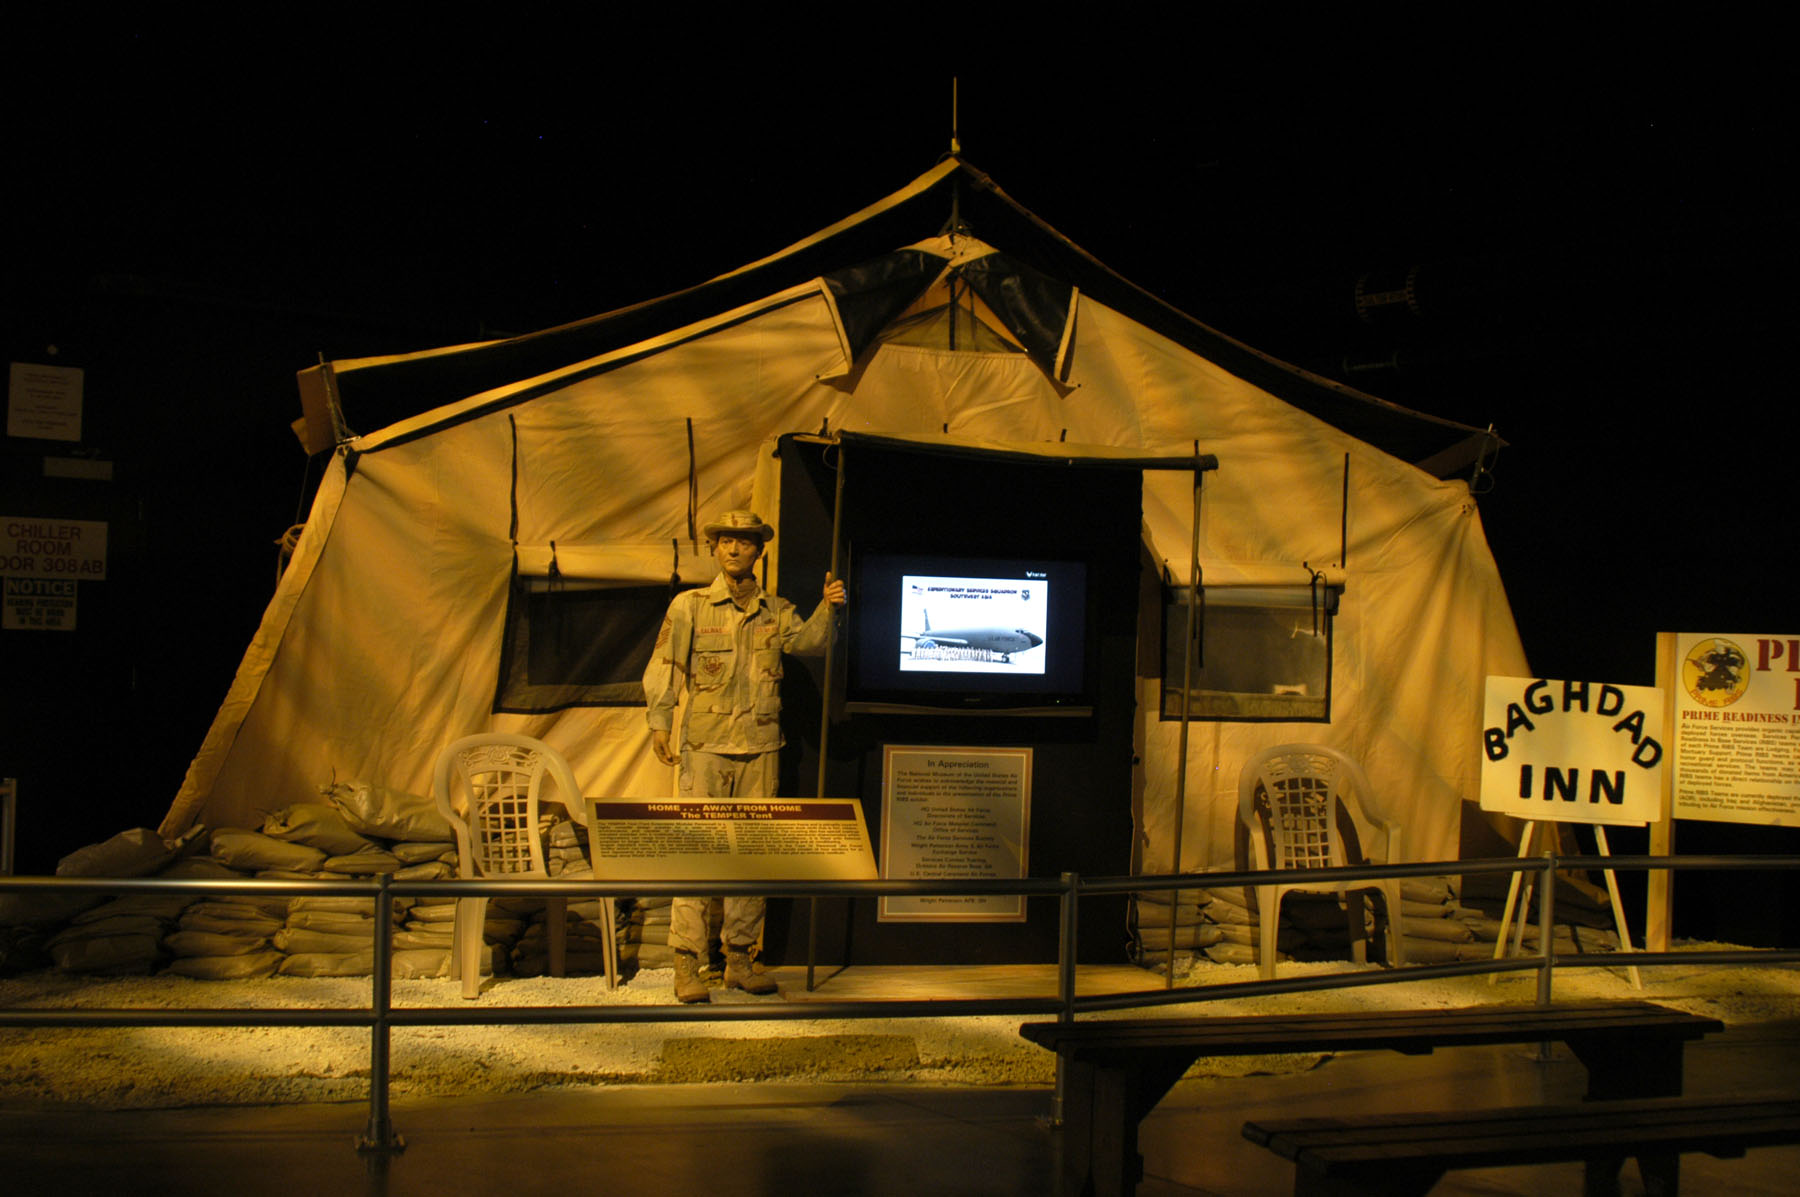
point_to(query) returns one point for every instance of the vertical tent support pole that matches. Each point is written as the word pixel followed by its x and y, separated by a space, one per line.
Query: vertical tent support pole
pixel 837 524
pixel 1187 697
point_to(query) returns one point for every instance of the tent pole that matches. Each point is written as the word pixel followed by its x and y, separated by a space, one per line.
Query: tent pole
pixel 837 524
pixel 1187 699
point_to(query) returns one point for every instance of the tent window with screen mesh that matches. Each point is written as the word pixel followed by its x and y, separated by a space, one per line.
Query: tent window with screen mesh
pixel 577 645
pixel 1265 653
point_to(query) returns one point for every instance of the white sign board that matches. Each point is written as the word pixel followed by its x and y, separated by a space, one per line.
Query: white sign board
pixel 951 813
pixel 1572 752
pixel 44 402
pixel 38 604
pixel 1737 728
pixel 52 548
pixel 728 839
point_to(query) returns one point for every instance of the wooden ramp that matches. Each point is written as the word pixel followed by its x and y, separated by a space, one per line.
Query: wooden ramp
pixel 937 982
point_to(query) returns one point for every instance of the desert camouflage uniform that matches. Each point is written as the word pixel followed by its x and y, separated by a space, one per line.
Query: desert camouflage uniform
pixel 729 661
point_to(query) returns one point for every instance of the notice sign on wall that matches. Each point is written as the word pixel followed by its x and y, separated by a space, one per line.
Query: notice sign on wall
pixel 52 548
pixel 1577 752
pixel 44 402
pixel 955 813
pixel 723 839
pixel 38 604
pixel 1737 728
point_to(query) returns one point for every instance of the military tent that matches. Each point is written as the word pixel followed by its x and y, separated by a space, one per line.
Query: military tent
pixel 946 315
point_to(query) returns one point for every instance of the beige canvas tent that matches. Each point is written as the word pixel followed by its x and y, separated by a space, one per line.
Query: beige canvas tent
pixel 944 310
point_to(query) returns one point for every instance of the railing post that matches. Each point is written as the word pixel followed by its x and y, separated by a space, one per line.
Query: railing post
pixel 1546 927
pixel 1065 952
pixel 380 1136
pixel 1065 980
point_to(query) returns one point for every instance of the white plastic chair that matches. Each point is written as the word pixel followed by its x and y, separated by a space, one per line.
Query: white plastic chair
pixel 1288 799
pixel 488 787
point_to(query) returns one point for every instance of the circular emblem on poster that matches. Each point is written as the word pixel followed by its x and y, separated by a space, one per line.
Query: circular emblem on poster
pixel 1715 672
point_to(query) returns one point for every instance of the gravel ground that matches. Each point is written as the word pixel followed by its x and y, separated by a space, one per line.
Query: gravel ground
pixel 141 1068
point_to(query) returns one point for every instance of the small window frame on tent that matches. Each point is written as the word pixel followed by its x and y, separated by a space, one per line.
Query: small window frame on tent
pixel 1265 653
pixel 582 621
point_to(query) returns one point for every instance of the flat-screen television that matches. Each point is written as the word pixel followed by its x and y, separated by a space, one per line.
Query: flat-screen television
pixel 937 633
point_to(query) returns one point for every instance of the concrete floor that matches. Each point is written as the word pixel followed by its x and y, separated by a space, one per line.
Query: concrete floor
pixel 815 1138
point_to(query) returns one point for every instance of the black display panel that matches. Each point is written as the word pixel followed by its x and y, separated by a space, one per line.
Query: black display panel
pixel 949 632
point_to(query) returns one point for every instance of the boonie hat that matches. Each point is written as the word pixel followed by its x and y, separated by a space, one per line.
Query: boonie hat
pixel 739 523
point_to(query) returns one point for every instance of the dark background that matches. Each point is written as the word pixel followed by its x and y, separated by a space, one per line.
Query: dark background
pixel 1600 237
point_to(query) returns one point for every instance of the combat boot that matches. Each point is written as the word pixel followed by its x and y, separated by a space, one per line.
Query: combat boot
pixel 688 985
pixel 741 973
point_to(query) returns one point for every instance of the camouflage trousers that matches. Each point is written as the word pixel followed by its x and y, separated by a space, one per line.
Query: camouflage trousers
pixel 714 775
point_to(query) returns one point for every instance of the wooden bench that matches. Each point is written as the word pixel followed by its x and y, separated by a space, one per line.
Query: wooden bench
pixel 1408 1153
pixel 1116 1070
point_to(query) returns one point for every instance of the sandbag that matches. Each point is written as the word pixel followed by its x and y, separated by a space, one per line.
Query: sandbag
pixel 135 853
pixel 252 850
pixel 241 908
pixel 316 824
pixel 335 921
pixel 108 954
pixel 416 853
pixel 226 968
pixel 124 924
pixel 161 906
pixel 1440 930
pixel 1435 890
pixel 362 906
pixel 389 814
pixel 210 943
pixel 1157 938
pixel 297 941
pixel 369 862
pixel 421 964
pixel 241 927
pixel 329 964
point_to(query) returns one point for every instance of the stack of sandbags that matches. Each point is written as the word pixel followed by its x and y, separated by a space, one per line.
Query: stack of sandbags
pixel 428 935
pixel 223 937
pixel 644 933
pixel 584 929
pixel 1435 932
pixel 566 848
pixel 230 937
pixel 1320 925
pixel 584 941
pixel 1233 910
pixel 365 832
pixel 118 935
pixel 110 938
pixel 1150 924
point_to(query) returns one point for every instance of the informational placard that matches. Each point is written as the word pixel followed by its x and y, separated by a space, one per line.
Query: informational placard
pixel 955 813
pixel 33 547
pixel 724 839
pixel 1572 752
pixel 1737 728
pixel 44 402
pixel 38 604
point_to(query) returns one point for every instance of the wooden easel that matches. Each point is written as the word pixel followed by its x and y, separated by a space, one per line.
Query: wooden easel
pixel 1527 843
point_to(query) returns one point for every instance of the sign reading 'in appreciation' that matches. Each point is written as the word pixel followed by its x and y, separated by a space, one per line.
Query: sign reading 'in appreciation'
pixel 724 839
pixel 955 813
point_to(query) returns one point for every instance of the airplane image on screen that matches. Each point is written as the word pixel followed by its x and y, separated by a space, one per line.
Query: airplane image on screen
pixel 1005 641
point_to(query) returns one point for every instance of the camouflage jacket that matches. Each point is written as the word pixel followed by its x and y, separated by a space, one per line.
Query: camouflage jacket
pixel 729 661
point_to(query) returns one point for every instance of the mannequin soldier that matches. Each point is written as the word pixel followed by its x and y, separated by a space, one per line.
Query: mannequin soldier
pixel 722 644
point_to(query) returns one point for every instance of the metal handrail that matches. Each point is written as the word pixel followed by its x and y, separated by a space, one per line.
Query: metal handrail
pixel 381 1015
